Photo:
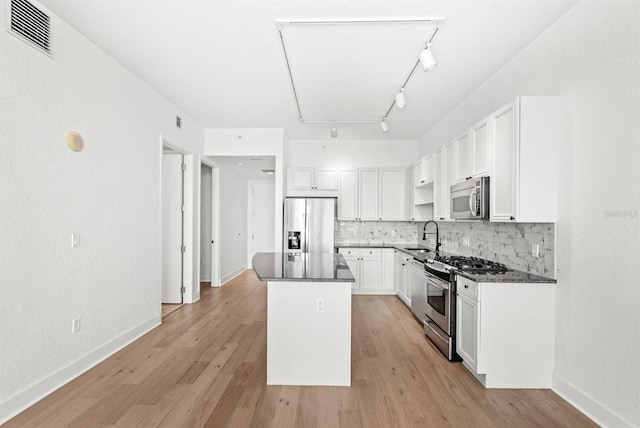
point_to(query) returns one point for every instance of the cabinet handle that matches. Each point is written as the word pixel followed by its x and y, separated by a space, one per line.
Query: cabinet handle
pixel 512 218
pixel 466 286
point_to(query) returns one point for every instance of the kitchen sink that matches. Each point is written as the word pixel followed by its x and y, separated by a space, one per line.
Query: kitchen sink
pixel 419 250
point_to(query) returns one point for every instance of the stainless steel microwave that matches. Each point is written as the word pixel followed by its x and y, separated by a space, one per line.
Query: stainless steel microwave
pixel 470 199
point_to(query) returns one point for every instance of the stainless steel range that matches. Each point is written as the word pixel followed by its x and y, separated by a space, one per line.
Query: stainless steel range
pixel 440 314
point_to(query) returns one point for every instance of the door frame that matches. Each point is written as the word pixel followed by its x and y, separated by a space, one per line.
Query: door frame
pixel 215 218
pixel 187 223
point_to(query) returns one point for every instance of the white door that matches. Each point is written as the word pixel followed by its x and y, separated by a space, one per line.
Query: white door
pixel 206 222
pixel 263 217
pixel 171 228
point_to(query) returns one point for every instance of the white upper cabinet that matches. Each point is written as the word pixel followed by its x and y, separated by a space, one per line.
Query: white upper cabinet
pixel 410 190
pixel 306 181
pixel 348 194
pixel 368 194
pixel 462 157
pixel 438 184
pixel 371 194
pixel 392 193
pixel 480 149
pixel 425 170
pixel 524 161
pixel 449 174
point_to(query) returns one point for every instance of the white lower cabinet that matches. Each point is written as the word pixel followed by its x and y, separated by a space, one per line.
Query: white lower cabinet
pixel 505 332
pixel 366 264
pixel 403 277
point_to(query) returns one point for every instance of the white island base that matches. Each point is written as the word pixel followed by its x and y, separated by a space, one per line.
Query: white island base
pixel 308 333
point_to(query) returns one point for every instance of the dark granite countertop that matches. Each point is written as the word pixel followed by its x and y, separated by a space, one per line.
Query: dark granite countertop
pixel 301 267
pixel 509 276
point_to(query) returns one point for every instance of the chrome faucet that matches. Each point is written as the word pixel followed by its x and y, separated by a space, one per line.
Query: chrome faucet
pixel 424 234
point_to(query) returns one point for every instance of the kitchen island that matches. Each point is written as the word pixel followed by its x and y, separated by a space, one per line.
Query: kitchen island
pixel 308 318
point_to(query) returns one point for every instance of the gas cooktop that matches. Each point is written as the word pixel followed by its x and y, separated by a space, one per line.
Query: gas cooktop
pixel 471 264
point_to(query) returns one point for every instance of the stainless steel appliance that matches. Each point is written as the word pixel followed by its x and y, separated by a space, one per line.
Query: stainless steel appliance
pixel 418 289
pixel 309 225
pixel 470 199
pixel 440 310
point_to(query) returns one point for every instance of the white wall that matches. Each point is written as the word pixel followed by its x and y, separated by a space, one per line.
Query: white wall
pixel 351 153
pixel 590 58
pixel 189 139
pixel 108 193
pixel 233 224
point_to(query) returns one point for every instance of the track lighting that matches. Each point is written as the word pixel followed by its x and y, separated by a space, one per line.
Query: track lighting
pixel 400 101
pixel 384 127
pixel 334 132
pixel 427 60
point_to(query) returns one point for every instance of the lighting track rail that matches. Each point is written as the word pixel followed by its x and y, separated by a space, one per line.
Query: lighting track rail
pixel 425 58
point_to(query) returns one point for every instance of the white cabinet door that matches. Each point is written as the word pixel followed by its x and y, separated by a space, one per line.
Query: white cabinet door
pixel 368 194
pixel 467 329
pixel 505 150
pixel 301 178
pixel 348 194
pixel 392 194
pixel 370 270
pixel 352 257
pixel 400 274
pixel 410 180
pixel 438 184
pixel 326 179
pixel 424 170
pixel 408 281
pixel 388 269
pixel 524 145
pixel 480 149
pixel 449 174
pixel 462 161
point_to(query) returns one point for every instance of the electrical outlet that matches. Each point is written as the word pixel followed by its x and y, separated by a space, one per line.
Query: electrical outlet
pixel 466 242
pixel 75 325
pixel 320 305
pixel 535 251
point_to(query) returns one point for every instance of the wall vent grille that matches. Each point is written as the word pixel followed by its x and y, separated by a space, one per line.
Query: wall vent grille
pixel 31 25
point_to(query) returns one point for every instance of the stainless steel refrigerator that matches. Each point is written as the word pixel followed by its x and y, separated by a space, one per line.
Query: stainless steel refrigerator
pixel 309 225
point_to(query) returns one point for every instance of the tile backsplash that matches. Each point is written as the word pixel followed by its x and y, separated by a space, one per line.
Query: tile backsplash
pixel 375 232
pixel 508 243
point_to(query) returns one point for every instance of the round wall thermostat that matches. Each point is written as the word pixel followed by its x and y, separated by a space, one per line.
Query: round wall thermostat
pixel 74 141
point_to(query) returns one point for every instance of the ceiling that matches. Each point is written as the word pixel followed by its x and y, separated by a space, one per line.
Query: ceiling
pixel 250 167
pixel 222 62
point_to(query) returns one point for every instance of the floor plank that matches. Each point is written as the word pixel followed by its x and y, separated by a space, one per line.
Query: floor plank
pixel 205 366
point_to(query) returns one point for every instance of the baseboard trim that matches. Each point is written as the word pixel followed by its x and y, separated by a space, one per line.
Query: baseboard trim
pixel 594 410
pixel 36 392
pixel 233 274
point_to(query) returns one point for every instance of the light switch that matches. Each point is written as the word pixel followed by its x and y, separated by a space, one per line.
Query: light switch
pixel 75 240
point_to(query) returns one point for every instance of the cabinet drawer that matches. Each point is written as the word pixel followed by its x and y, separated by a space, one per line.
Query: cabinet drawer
pixel 349 251
pixel 467 287
pixel 371 252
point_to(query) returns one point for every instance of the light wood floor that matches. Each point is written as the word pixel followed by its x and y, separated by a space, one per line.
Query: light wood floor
pixel 206 366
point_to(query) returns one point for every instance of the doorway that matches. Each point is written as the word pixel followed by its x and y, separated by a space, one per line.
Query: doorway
pixel 261 217
pixel 172 214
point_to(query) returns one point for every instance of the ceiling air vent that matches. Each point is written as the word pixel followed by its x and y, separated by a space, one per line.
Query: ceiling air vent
pixel 31 25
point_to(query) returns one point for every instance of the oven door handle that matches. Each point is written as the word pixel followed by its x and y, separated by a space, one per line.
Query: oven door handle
pixel 436 281
pixel 436 332
pixel 473 203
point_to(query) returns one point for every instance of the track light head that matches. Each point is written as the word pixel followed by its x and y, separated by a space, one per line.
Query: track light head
pixel 400 101
pixel 427 60
pixel 384 127
pixel 334 132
